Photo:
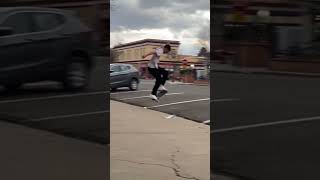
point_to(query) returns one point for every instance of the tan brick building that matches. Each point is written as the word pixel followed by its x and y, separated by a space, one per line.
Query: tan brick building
pixel 132 53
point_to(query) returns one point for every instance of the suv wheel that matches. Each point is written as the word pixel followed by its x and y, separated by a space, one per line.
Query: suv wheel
pixel 77 75
pixel 133 86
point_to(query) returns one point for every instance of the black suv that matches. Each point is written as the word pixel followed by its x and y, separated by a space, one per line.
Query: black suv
pixel 39 44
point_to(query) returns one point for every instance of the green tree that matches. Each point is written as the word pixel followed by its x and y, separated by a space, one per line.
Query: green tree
pixel 203 52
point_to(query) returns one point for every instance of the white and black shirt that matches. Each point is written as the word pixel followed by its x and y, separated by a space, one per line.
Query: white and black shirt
pixel 155 59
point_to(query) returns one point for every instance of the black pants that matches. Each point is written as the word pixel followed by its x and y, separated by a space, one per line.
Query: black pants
pixel 161 76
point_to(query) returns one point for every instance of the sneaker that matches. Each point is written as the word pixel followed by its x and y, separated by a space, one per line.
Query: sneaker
pixel 153 97
pixel 162 88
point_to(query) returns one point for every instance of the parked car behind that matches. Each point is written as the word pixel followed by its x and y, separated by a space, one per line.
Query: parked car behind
pixel 124 75
pixel 39 44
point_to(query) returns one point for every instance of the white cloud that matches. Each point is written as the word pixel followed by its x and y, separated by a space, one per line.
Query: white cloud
pixel 187 21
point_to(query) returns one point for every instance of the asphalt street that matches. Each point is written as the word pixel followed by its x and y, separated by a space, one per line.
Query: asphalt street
pixel 45 105
pixel 187 101
pixel 270 131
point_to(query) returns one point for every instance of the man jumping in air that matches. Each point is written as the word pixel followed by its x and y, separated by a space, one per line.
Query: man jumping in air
pixel 160 74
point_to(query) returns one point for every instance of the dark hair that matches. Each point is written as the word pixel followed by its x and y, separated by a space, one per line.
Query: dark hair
pixel 167 46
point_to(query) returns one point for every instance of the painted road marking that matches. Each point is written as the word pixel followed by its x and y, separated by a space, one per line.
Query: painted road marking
pixel 148 96
pixel 175 103
pixel 291 121
pixel 206 122
pixel 52 97
pixel 126 92
pixel 170 116
pixel 147 82
pixel 68 116
pixel 196 100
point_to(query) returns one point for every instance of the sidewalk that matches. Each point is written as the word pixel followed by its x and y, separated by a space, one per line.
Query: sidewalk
pixel 234 69
pixel 27 153
pixel 145 145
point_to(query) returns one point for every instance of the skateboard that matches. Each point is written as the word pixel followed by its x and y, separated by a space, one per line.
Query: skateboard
pixel 161 93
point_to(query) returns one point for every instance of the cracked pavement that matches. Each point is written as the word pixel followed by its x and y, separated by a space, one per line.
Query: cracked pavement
pixel 145 145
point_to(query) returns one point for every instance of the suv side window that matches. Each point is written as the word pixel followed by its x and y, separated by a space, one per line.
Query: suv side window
pixel 125 68
pixel 47 21
pixel 19 22
pixel 115 68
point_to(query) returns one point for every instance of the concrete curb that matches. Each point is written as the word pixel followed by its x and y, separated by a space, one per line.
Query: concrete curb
pixel 270 73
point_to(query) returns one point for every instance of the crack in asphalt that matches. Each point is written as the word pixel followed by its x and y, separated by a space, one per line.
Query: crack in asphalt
pixel 142 163
pixel 176 169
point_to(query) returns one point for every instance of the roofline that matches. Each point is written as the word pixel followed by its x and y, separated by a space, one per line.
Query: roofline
pixel 147 41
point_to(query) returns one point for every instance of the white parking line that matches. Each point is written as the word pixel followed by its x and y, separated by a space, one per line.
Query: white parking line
pixel 126 92
pixel 224 100
pixel 206 122
pixel 53 97
pixel 146 82
pixel 169 94
pixel 175 103
pixel 291 121
pixel 196 100
pixel 67 116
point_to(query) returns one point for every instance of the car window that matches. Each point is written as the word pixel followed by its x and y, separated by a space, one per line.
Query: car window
pixel 125 68
pixel 47 21
pixel 115 68
pixel 20 23
pixel 134 68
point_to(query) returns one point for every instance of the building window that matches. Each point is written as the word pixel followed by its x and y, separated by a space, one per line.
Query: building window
pixel 137 54
pixel 120 57
pixel 130 54
pixel 125 55
pixel 174 53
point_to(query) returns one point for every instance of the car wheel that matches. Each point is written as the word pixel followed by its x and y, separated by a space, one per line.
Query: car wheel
pixel 77 75
pixel 12 86
pixel 133 86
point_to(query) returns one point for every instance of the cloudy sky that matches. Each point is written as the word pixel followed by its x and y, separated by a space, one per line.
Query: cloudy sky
pixel 187 21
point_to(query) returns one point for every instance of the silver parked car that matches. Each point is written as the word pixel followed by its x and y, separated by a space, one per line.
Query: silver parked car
pixel 124 75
